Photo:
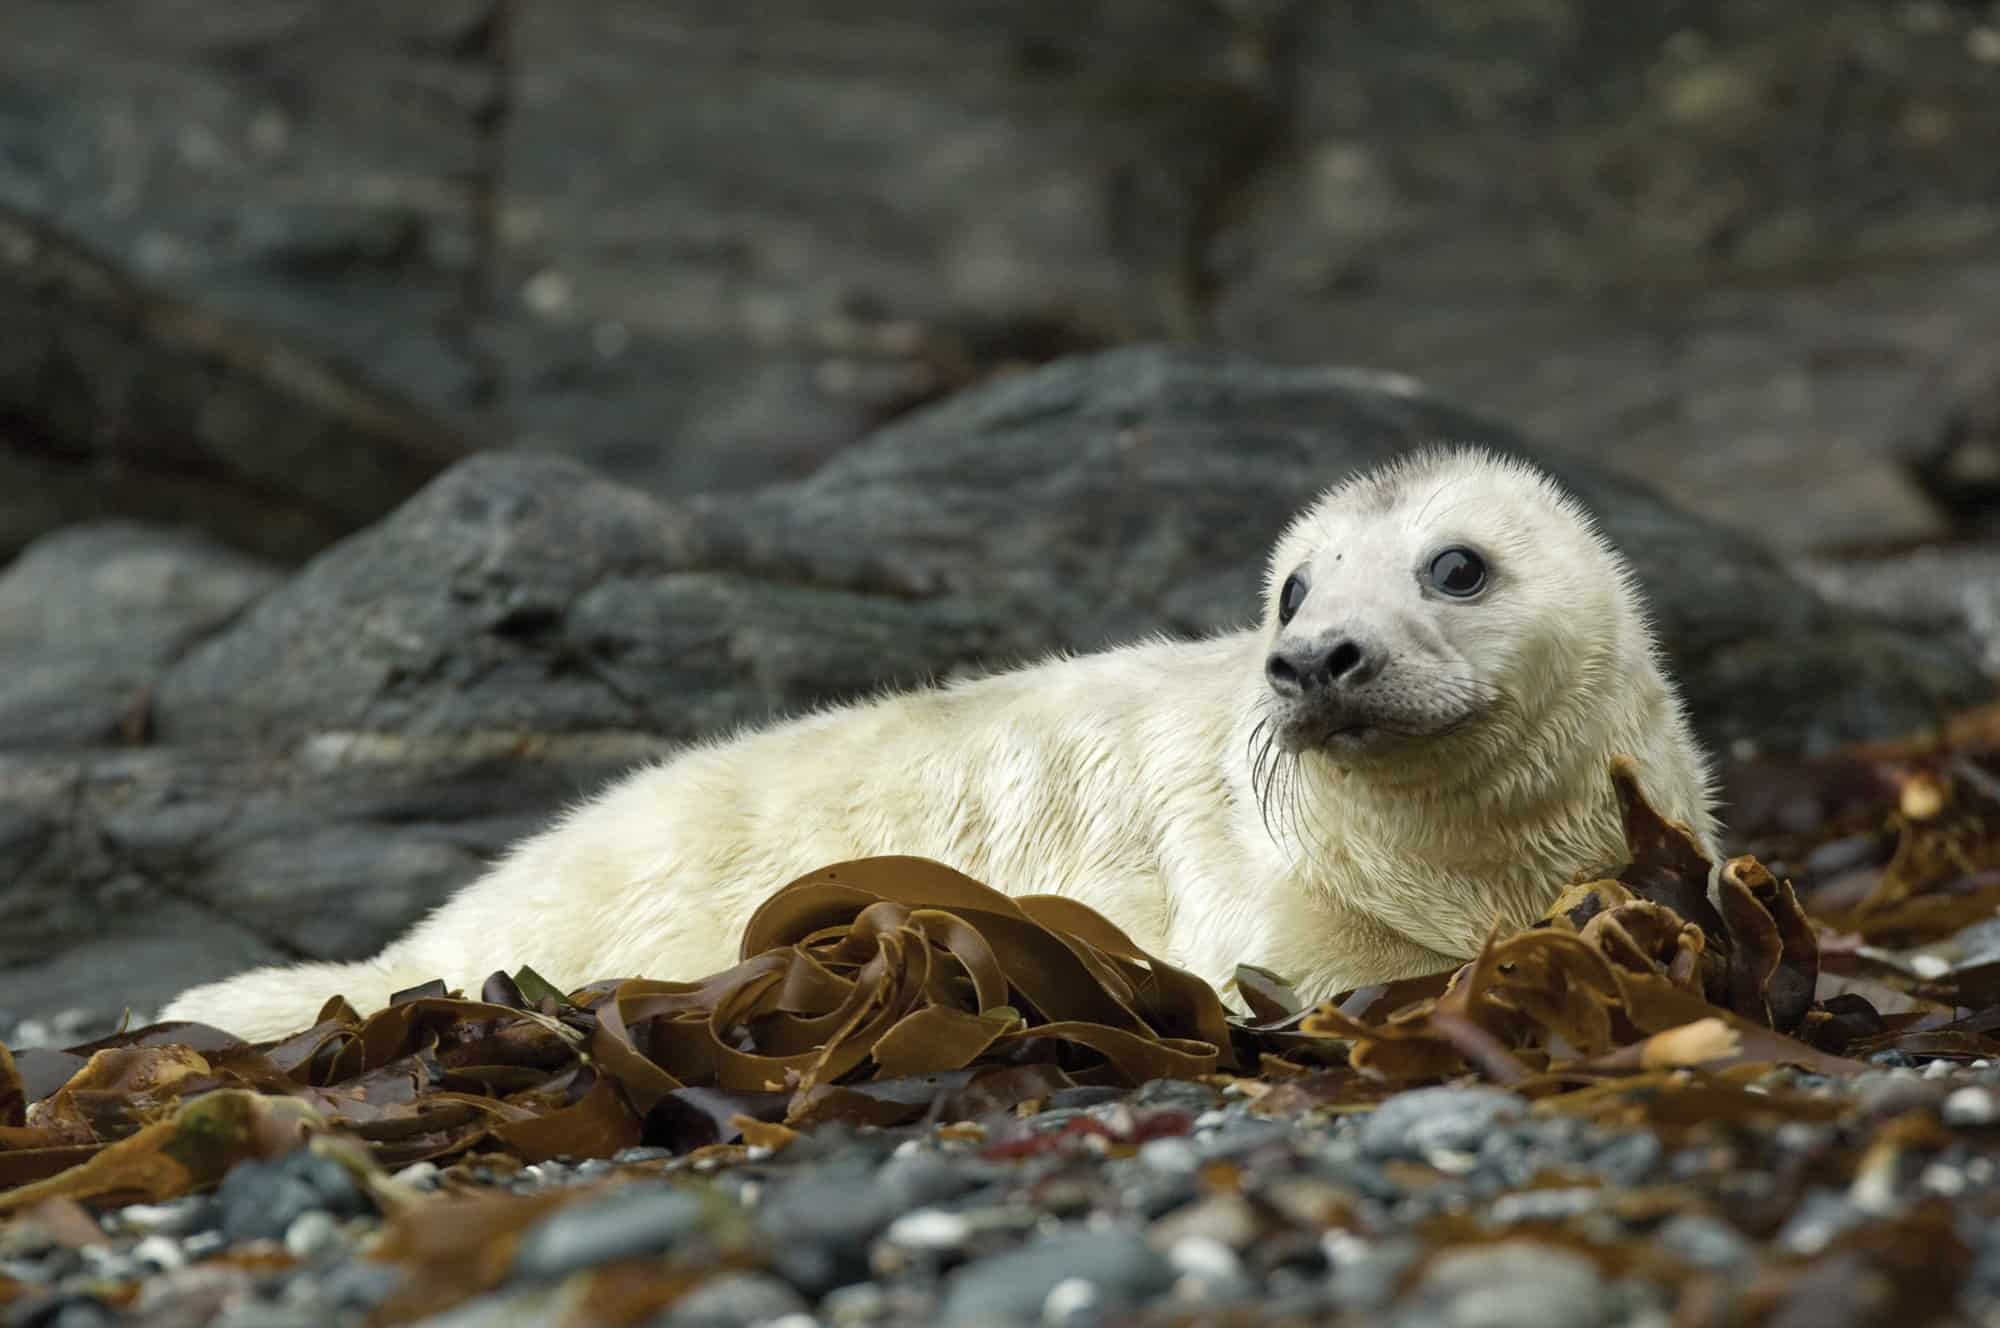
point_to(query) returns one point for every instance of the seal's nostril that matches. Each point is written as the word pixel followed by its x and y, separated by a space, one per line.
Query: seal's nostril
pixel 1283 675
pixel 1343 659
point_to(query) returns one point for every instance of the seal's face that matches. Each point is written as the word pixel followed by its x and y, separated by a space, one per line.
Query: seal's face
pixel 1426 610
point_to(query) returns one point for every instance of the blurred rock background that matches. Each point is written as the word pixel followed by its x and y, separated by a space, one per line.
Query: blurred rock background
pixel 269 270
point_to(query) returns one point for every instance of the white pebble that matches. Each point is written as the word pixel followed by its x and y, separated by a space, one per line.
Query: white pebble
pixel 147 1219
pixel 929 1229
pixel 1929 966
pixel 310 1233
pixel 163 1252
pixel 1173 1156
pixel 1970 1106
pixel 1941 1179
pixel 1204 1257
pixel 419 1176
pixel 1071 1296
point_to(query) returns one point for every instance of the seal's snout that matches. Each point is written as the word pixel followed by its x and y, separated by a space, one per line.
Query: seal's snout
pixel 1299 669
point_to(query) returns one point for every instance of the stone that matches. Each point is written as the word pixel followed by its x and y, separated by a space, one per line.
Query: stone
pixel 1707 1242
pixel 261 1200
pixel 632 1220
pixel 734 1300
pixel 1116 1263
pixel 1415 1123
pixel 120 398
pixel 1513 1284
pixel 91 615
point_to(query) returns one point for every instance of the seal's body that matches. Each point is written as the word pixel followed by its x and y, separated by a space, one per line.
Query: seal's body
pixel 1414 745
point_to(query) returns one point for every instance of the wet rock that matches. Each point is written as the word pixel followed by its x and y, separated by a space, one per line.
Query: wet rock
pixel 734 1300
pixel 261 1200
pixel 1117 1266
pixel 1705 1241
pixel 821 1223
pixel 1515 1284
pixel 633 1220
pixel 1416 1124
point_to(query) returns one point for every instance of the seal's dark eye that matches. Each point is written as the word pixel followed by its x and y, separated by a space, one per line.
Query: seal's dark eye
pixel 1458 572
pixel 1289 598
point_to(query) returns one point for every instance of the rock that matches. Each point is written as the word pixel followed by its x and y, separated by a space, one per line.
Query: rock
pixel 734 1300
pixel 430 689
pixel 821 1223
pixel 1116 1264
pixel 1707 1242
pixel 261 1200
pixel 632 1220
pixel 1511 1284
pixel 89 617
pixel 1416 1123
pixel 870 214
pixel 1971 1106
pixel 1952 589
pixel 119 399
pixel 310 1233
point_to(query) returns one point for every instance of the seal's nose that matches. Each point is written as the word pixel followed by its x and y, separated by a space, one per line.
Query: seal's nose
pixel 1300 668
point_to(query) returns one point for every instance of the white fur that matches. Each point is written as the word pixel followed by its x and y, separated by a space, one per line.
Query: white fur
pixel 1124 780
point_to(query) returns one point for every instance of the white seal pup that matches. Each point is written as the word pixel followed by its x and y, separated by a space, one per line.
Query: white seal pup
pixel 1413 745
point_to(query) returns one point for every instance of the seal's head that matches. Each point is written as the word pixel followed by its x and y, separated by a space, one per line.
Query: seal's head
pixel 1429 616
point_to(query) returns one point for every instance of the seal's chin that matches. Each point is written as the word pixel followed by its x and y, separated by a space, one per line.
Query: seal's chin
pixel 1347 733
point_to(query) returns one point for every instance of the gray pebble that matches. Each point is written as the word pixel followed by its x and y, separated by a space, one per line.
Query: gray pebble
pixel 261 1200
pixel 627 1156
pixel 1515 1284
pixel 1013 1287
pixel 1820 1216
pixel 1706 1241
pixel 639 1219
pixel 1425 1120
pixel 734 1300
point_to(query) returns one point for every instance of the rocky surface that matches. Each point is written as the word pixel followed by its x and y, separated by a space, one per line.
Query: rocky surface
pixel 310 775
pixel 119 399
pixel 1737 249
pixel 1177 1203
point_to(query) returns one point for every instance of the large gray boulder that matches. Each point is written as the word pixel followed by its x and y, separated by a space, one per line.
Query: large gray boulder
pixel 1708 238
pixel 358 741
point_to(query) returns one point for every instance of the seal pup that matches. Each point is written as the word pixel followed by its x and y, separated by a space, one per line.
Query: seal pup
pixel 1413 745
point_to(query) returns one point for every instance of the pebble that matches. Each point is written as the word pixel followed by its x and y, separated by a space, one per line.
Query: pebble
pixel 1705 1241
pixel 1971 1106
pixel 735 1300
pixel 1117 1263
pixel 1515 1284
pixel 163 1252
pixel 1204 1257
pixel 310 1233
pixel 1169 1155
pixel 1426 1120
pixel 260 1200
pixel 929 1229
pixel 419 1176
pixel 634 1220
